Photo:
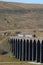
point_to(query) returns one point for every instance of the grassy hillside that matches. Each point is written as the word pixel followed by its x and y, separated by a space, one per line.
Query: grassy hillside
pixel 20 16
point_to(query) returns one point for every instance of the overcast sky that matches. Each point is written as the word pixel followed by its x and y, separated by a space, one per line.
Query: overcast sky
pixel 26 1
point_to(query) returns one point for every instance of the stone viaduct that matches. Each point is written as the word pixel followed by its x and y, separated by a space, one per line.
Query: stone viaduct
pixel 27 49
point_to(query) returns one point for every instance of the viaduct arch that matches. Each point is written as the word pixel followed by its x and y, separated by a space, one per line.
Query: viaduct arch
pixel 27 49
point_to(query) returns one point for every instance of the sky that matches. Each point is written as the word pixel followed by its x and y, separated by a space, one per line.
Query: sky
pixel 26 1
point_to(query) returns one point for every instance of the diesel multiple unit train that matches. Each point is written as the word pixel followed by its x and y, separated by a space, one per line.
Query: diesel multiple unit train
pixel 26 49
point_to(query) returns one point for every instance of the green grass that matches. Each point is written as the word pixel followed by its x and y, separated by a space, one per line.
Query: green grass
pixel 8 58
pixel 12 57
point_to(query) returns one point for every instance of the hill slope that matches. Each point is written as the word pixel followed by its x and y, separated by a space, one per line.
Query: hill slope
pixel 19 16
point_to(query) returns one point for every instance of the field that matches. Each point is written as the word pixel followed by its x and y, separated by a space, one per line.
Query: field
pixel 19 64
pixel 20 16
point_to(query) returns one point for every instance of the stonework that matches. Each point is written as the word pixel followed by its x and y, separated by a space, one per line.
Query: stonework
pixel 27 49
